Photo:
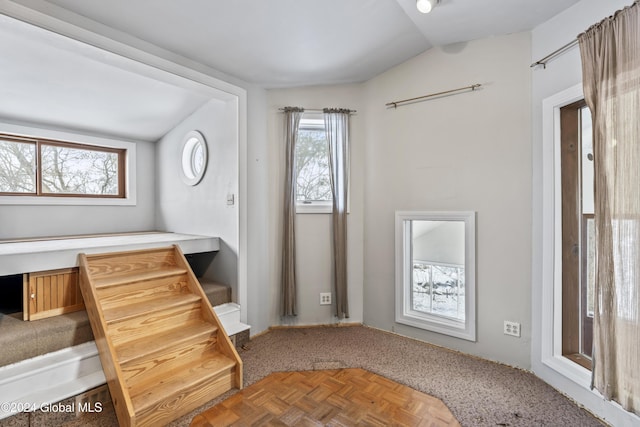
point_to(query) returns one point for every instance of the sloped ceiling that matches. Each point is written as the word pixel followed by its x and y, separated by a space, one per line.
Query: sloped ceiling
pixel 55 81
pixel 276 43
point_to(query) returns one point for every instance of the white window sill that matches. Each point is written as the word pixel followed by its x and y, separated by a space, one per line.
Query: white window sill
pixel 314 208
pixel 66 201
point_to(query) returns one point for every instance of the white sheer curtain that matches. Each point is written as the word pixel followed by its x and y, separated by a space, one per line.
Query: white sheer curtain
pixel 336 122
pixel 610 52
pixel 289 297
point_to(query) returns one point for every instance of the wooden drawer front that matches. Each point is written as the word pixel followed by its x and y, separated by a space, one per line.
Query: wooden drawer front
pixel 51 293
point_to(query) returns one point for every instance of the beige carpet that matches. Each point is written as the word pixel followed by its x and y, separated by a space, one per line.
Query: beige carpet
pixel 478 393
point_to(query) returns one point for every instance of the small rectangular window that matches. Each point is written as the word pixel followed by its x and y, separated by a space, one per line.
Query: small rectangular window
pixel 51 168
pixel 313 184
pixel 17 166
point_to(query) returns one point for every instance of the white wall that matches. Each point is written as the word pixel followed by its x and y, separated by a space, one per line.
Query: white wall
pixel 22 221
pixel 560 74
pixel 203 208
pixel 469 151
pixel 313 231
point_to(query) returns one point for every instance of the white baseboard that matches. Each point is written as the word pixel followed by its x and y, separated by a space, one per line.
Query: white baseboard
pixel 30 384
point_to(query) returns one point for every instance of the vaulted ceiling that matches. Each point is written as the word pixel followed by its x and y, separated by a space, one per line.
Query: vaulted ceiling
pixel 278 43
pixel 55 81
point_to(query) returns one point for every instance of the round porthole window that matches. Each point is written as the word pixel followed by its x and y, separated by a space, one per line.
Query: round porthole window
pixel 194 157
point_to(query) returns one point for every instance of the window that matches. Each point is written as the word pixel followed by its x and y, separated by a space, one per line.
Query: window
pixel 313 185
pixel 578 234
pixel 46 168
pixel 194 157
pixel 438 289
pixel 435 272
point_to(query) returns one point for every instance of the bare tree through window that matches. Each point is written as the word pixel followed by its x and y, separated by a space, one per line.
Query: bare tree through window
pixel 64 169
pixel 78 171
pixel 312 157
pixel 17 167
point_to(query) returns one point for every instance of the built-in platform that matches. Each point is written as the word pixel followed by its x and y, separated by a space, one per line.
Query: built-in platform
pixel 29 255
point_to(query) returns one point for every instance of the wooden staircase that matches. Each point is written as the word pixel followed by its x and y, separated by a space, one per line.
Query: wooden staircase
pixel 162 347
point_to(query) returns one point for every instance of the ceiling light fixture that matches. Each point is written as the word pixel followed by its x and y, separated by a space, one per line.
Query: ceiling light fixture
pixel 425 6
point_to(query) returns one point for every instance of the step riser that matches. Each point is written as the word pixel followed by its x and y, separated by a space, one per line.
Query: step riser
pixel 121 295
pixel 166 361
pixel 193 332
pixel 185 402
pixel 133 329
pixel 228 313
pixel 127 264
pixel 150 308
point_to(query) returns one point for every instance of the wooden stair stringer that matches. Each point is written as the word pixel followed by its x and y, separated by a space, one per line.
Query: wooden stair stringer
pixel 119 392
pixel 226 347
pixel 163 349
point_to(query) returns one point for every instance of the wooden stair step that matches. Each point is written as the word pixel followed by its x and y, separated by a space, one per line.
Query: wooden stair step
pixel 138 276
pixel 120 263
pixel 138 327
pixel 113 296
pixel 151 344
pixel 177 387
pixel 147 307
pixel 170 358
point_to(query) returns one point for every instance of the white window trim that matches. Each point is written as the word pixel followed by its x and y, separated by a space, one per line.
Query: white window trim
pixel 552 240
pixel 130 198
pixel 321 207
pixel 433 322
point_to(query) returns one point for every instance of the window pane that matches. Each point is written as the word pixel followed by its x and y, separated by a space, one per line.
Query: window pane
pixel 17 167
pixel 591 265
pixel 438 289
pixel 312 157
pixel 586 161
pixel 68 170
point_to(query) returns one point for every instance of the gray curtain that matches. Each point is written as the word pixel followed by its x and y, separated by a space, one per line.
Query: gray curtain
pixel 610 52
pixel 292 120
pixel 336 122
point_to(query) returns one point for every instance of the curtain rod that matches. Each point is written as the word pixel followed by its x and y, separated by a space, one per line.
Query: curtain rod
pixel 319 110
pixel 555 53
pixel 395 103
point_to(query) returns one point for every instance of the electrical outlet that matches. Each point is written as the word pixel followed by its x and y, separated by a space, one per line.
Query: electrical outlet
pixel 325 298
pixel 512 328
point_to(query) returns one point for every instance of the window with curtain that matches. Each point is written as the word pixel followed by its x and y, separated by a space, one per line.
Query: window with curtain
pixel 316 170
pixel 610 52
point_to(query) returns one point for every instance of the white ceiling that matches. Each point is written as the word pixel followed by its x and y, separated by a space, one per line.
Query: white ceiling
pixel 50 79
pixel 278 43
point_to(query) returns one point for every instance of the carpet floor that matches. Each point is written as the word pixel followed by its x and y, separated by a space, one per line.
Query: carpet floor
pixel 478 392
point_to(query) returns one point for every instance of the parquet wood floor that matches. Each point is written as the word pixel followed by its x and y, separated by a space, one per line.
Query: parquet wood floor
pixel 341 397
